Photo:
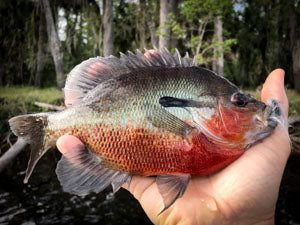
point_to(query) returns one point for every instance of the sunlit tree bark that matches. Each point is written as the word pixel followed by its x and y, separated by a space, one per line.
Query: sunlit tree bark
pixel 218 62
pixel 54 44
pixel 166 7
pixel 108 42
pixel 142 28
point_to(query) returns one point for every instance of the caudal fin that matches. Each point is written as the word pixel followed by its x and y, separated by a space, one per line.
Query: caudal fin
pixel 31 129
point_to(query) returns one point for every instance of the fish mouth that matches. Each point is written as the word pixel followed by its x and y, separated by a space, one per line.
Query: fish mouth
pixel 272 116
pixel 271 125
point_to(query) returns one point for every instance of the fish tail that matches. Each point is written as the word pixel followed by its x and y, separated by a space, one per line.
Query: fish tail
pixel 31 128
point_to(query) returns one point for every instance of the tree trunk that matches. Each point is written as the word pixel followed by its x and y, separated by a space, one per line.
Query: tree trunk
pixel 295 45
pixel 142 28
pixel 164 38
pixel 218 63
pixel 296 64
pixel 175 10
pixel 41 55
pixel 108 42
pixel 54 44
pixel 152 30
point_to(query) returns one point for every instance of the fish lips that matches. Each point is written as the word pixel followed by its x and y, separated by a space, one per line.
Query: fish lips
pixel 272 124
pixel 274 117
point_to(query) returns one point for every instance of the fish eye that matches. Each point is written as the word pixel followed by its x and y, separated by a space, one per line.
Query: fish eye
pixel 239 99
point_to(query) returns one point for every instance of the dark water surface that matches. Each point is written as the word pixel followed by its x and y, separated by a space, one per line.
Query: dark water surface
pixel 42 200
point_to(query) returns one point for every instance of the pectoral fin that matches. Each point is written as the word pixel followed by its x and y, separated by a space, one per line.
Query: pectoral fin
pixel 171 187
pixel 163 119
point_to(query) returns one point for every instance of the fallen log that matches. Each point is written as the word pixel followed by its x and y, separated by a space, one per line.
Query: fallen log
pixel 49 106
pixel 11 153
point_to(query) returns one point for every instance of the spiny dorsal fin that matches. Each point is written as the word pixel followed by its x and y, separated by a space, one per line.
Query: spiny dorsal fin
pixel 90 73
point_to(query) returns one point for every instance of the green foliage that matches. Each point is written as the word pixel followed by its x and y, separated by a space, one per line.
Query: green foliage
pixel 255 33
pixel 82 34
pixel 28 95
pixel 16 34
pixel 173 25
pixel 200 14
pixel 261 30
pixel 195 9
pixel 126 25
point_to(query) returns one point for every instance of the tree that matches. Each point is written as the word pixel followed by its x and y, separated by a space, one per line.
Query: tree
pixel 166 7
pixel 207 48
pixel 152 15
pixel 218 62
pixel 108 42
pixel 54 44
pixel 142 23
pixel 41 54
pixel 295 44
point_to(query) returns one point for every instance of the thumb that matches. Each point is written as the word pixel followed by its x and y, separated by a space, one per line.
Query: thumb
pixel 67 142
pixel 274 88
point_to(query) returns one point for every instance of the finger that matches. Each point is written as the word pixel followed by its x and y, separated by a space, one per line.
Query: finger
pixel 138 185
pixel 145 190
pixel 274 88
pixel 68 142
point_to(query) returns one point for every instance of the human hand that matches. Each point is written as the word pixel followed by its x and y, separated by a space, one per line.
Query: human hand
pixel 245 192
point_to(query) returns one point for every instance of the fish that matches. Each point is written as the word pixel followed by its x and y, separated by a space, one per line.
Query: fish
pixel 152 114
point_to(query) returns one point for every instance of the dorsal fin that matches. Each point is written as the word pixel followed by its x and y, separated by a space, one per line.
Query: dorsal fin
pixel 90 73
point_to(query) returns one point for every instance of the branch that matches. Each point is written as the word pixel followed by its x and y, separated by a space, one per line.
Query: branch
pixel 49 106
pixel 11 153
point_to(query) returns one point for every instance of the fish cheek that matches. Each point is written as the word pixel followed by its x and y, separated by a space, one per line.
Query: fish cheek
pixel 230 124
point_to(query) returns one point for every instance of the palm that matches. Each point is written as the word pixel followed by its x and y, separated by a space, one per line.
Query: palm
pixel 246 190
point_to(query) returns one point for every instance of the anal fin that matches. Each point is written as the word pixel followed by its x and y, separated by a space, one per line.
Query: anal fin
pixel 118 182
pixel 171 187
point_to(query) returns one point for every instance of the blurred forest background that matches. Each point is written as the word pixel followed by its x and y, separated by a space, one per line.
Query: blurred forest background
pixel 42 40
